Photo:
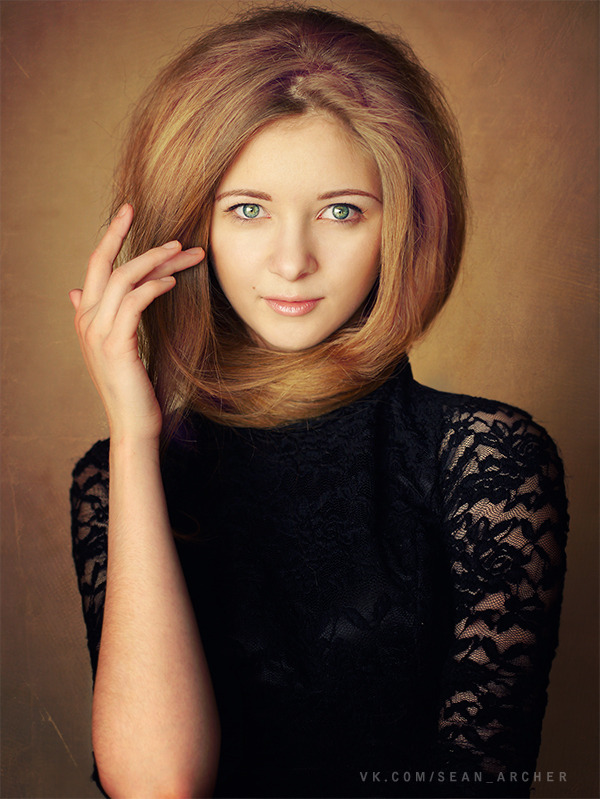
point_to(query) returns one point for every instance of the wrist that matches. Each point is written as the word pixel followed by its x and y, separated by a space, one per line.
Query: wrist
pixel 126 445
pixel 134 422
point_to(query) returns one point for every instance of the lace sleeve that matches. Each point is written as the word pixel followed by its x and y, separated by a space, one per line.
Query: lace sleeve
pixel 89 522
pixel 506 522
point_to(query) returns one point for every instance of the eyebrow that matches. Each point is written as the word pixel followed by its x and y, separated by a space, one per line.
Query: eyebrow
pixel 257 195
pixel 328 195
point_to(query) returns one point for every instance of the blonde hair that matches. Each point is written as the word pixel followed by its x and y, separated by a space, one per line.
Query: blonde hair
pixel 186 131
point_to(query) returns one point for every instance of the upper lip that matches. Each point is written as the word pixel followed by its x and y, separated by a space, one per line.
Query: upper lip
pixel 293 299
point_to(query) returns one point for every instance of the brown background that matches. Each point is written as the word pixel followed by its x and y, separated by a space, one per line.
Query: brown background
pixel 521 326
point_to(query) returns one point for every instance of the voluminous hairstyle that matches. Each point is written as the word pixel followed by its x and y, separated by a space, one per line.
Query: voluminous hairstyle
pixel 186 131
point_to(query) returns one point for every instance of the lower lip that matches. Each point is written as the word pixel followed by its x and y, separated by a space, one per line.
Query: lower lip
pixel 292 308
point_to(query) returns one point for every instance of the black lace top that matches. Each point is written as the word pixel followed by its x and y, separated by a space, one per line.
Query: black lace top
pixel 377 590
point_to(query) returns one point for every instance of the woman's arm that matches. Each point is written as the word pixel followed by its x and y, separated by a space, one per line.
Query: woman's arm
pixel 155 724
pixel 506 523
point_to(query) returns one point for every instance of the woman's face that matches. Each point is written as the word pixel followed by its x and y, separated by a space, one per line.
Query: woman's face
pixel 296 231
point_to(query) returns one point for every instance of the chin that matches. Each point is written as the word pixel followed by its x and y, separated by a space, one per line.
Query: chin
pixel 287 344
pixel 287 347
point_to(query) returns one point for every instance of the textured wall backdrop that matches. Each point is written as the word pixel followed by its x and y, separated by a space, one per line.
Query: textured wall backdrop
pixel 521 327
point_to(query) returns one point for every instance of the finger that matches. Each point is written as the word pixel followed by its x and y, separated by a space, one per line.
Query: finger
pixel 130 313
pixel 75 297
pixel 158 263
pixel 101 261
pixel 178 263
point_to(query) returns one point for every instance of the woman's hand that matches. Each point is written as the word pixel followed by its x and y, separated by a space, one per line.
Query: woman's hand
pixel 107 314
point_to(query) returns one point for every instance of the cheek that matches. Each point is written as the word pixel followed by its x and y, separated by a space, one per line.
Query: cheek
pixel 364 285
pixel 361 249
pixel 372 259
pixel 227 259
pixel 235 273
pixel 366 270
pixel 236 256
pixel 362 280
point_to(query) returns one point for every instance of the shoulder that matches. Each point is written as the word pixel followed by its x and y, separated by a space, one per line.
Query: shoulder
pixel 476 425
pixel 486 446
pixel 499 471
pixel 496 437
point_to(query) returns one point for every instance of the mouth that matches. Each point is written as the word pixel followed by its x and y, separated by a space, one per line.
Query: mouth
pixel 292 307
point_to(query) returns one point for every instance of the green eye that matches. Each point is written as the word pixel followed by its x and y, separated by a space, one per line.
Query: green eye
pixel 340 211
pixel 250 210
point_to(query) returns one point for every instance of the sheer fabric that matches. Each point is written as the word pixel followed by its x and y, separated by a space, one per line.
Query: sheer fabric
pixel 377 590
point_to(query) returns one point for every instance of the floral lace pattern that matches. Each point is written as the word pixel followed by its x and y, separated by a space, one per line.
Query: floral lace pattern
pixel 505 521
pixel 479 478
pixel 89 504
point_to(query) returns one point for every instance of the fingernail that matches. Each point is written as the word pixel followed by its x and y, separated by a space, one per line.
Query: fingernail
pixel 122 210
pixel 171 245
pixel 195 250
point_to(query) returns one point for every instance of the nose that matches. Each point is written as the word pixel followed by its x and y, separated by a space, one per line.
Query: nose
pixel 293 255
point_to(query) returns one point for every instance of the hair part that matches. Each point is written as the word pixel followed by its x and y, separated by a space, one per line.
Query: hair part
pixel 185 133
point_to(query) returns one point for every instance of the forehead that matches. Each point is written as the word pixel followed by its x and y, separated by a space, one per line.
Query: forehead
pixel 312 151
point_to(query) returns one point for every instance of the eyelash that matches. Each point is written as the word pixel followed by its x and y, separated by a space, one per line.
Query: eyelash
pixel 358 212
pixel 233 209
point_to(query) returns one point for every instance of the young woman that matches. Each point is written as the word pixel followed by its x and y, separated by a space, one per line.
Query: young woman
pixel 316 577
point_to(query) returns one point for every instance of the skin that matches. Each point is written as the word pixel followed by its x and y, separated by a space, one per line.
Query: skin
pixel 150 648
pixel 108 312
pixel 298 216
pixel 294 247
